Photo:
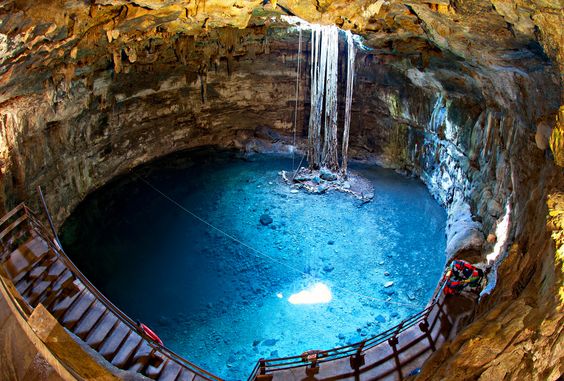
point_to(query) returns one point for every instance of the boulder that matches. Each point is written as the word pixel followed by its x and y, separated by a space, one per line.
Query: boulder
pixel 327 175
pixel 265 220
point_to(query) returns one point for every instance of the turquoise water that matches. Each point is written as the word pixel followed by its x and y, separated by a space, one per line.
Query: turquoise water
pixel 222 305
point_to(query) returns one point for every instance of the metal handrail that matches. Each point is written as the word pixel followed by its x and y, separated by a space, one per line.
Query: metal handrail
pixel 121 315
pixel 264 366
pixel 54 245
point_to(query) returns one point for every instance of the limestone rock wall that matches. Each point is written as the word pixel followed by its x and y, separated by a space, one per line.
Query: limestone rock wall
pixel 73 136
pixel 480 153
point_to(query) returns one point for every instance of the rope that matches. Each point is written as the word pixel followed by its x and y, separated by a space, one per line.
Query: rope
pixel 259 253
pixel 297 96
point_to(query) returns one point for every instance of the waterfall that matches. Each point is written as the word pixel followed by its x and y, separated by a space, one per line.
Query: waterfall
pixel 324 94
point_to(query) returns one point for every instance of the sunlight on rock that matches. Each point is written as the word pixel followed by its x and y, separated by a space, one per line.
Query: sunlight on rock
pixel 316 294
pixel 502 234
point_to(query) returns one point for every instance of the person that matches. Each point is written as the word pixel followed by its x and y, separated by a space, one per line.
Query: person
pixel 463 278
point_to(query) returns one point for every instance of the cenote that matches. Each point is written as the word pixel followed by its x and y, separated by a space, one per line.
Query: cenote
pixel 218 293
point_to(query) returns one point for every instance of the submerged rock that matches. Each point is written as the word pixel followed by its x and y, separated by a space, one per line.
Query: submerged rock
pixel 270 342
pixel 328 268
pixel 164 321
pixel 389 284
pixel 265 219
pixel 322 188
pixel 327 175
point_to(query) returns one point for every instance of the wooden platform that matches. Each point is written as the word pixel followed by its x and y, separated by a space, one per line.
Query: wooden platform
pixel 393 358
pixel 42 275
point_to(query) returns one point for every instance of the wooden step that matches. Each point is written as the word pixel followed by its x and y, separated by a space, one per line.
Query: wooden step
pixel 170 371
pixel 51 274
pixel 59 290
pixel 36 271
pixel 96 337
pixel 65 282
pixel 152 370
pixel 19 261
pixel 56 268
pixel 43 283
pixel 89 320
pixel 113 341
pixel 140 359
pixel 60 307
pixel 185 375
pixel 73 315
pixel 36 291
pixel 127 350
pixel 37 245
pixel 24 257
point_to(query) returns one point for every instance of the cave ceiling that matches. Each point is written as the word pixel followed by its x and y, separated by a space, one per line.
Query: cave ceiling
pixel 452 45
pixel 495 33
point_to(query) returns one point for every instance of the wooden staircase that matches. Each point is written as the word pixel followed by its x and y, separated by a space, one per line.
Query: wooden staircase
pixel 33 262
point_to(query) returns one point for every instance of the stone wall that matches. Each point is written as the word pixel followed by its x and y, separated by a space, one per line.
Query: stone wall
pixel 74 135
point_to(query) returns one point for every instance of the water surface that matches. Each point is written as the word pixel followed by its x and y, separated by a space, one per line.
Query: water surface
pixel 223 305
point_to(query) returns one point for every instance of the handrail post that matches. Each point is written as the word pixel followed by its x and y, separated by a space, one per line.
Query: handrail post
pixel 424 327
pixel 313 369
pixel 357 360
pixel 262 376
pixel 393 342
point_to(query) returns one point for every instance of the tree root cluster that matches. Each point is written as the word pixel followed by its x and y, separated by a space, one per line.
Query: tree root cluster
pixel 323 180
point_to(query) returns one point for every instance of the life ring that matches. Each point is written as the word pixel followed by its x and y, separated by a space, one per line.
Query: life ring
pixel 150 334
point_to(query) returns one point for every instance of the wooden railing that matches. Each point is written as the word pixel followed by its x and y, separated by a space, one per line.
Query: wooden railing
pixel 14 232
pixel 425 320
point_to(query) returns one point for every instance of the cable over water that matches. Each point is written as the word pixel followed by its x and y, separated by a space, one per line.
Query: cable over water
pixel 259 253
